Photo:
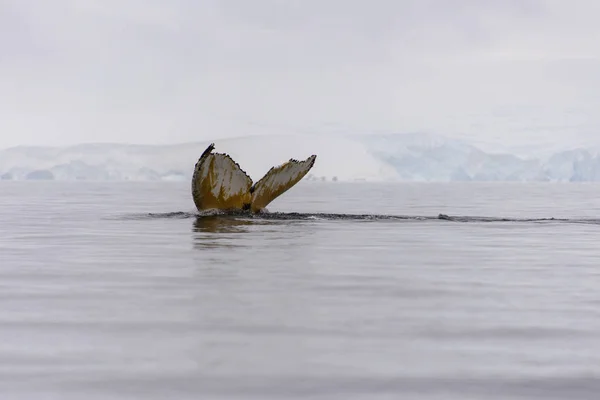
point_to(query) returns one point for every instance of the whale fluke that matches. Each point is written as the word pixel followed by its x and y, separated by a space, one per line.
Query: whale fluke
pixel 219 183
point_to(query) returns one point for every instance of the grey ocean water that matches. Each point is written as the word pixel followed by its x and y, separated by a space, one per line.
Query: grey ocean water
pixel 115 291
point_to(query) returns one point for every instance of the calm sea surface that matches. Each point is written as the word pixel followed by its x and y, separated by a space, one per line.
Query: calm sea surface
pixel 117 291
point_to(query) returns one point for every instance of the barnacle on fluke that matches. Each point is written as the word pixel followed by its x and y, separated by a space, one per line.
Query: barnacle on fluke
pixel 220 184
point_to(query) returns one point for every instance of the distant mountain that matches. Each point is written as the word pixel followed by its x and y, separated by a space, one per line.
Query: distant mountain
pixel 374 157
pixel 339 158
pixel 427 157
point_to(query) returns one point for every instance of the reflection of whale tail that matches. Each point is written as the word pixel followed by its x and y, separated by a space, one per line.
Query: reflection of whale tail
pixel 219 182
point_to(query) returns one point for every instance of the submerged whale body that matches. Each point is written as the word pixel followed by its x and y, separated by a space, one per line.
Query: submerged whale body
pixel 220 184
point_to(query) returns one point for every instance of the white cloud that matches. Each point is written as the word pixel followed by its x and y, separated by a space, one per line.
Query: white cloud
pixel 155 71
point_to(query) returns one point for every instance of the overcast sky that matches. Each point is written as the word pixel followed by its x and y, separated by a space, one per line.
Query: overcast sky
pixel 161 71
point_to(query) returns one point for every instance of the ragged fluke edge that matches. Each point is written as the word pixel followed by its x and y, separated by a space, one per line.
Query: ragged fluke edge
pixel 219 183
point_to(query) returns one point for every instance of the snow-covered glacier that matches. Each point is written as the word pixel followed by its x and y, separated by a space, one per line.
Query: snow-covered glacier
pixel 340 159
pixel 427 157
pixel 369 157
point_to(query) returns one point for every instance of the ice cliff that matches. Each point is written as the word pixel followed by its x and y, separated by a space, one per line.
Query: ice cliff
pixel 369 157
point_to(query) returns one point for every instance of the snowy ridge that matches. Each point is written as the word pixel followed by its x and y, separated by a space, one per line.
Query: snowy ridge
pixel 375 157
pixel 338 159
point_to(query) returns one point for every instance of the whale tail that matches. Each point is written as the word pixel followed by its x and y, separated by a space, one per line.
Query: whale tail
pixel 219 183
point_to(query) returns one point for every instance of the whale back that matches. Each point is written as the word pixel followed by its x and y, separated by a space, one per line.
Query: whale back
pixel 278 180
pixel 219 183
